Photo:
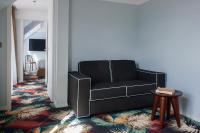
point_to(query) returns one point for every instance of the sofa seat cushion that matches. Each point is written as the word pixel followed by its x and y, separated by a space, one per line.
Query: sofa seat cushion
pixel 137 87
pixel 103 91
pixel 100 86
pixel 98 71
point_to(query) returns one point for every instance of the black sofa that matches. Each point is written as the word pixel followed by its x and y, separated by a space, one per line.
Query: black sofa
pixel 111 85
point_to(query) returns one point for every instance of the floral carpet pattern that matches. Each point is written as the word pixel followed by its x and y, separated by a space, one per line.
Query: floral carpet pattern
pixel 33 112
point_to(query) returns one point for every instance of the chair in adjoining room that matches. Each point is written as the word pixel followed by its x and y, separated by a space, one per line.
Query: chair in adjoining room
pixel 30 64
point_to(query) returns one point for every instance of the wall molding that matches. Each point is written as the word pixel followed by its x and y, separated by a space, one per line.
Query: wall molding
pixel 131 2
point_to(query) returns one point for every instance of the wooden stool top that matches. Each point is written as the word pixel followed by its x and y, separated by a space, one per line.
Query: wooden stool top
pixel 176 94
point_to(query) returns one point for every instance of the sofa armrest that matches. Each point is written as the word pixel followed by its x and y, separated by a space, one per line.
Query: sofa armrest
pixel 79 93
pixel 156 77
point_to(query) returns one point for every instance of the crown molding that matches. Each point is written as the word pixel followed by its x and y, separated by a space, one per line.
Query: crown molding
pixel 131 2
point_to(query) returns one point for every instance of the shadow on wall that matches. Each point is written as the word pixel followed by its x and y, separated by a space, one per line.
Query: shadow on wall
pixel 184 104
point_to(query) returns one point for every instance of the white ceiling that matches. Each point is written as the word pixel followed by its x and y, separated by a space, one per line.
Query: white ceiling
pixel 43 4
pixel 31 5
pixel 5 3
pixel 132 2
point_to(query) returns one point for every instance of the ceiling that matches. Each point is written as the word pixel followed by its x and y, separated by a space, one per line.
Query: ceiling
pixel 43 4
pixel 31 4
pixel 132 2
pixel 5 3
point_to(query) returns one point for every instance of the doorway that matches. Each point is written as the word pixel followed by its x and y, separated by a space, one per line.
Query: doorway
pixel 34 53
pixel 30 22
pixel 57 16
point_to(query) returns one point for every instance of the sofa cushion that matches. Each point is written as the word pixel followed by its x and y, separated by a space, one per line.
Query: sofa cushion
pixel 102 91
pixel 98 71
pixel 137 83
pixel 139 87
pixel 123 70
pixel 107 85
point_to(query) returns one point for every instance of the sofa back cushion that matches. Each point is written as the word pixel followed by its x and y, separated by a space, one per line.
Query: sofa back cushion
pixel 123 70
pixel 97 70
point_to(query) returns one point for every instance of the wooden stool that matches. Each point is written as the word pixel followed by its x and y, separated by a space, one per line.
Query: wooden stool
pixel 165 104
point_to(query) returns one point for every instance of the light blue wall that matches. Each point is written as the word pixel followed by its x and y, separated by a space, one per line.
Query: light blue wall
pixel 169 41
pixel 101 30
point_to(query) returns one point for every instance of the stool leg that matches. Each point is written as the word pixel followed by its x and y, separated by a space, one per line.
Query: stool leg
pixel 168 107
pixel 163 104
pixel 155 104
pixel 175 105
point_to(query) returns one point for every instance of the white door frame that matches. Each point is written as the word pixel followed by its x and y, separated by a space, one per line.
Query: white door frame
pixel 58 28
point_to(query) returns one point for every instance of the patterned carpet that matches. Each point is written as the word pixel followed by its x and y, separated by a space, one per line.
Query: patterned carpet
pixel 32 111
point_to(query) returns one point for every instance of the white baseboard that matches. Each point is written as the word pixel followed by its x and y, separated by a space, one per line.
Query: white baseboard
pixel 61 105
